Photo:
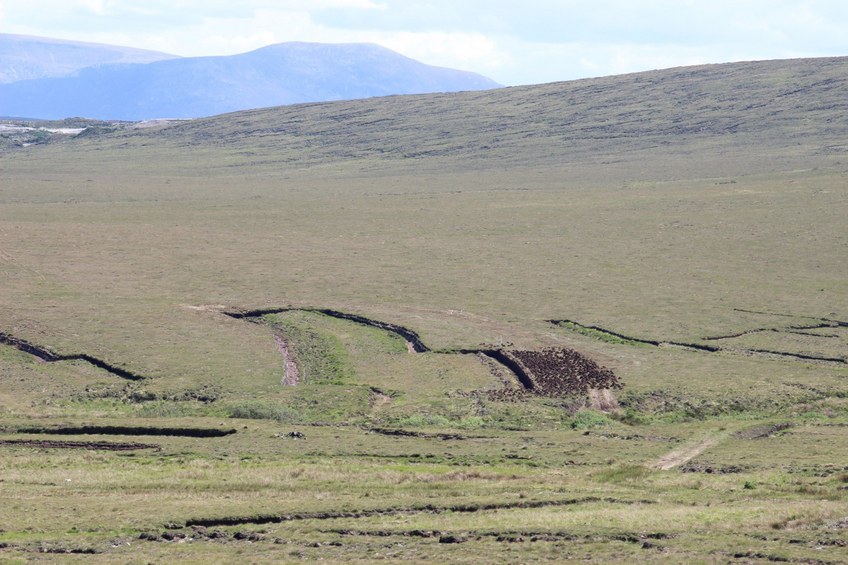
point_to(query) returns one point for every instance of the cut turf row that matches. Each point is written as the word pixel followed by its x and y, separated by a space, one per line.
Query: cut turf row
pixel 128 431
pixel 410 336
pixel 550 372
pixel 91 445
pixel 427 508
pixel 584 329
pixel 48 356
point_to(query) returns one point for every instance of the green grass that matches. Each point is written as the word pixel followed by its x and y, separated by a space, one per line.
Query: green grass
pixel 321 358
pixel 85 499
pixel 606 337
pixel 588 419
pixel 665 206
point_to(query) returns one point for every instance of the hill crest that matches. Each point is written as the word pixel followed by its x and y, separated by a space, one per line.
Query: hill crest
pixel 281 74
pixel 794 105
pixel 28 57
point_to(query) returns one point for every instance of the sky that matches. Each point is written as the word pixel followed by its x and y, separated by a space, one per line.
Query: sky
pixel 513 42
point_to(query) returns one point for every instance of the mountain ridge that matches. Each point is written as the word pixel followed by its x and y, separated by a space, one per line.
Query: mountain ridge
pixel 28 57
pixel 190 87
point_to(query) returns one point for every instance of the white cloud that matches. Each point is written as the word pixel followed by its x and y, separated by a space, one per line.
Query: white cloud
pixel 228 35
pixel 458 50
pixel 358 4
pixel 551 62
pixel 96 7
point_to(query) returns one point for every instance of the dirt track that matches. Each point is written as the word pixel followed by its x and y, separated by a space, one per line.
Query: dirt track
pixel 686 453
pixel 291 373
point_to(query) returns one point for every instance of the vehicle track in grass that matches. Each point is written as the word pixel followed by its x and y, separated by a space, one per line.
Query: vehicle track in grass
pixel 291 372
pixel 687 452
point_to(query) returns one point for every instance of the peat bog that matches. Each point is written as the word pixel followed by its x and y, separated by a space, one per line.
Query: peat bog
pixel 602 320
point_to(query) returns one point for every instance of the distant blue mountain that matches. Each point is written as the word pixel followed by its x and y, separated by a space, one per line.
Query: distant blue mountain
pixel 23 57
pixel 286 73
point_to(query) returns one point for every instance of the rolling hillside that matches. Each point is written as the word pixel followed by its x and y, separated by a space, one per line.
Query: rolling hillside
pixel 603 320
pixel 747 113
pixel 286 73
pixel 709 163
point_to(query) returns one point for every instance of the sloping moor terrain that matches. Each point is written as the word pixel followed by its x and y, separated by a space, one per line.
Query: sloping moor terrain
pixel 603 319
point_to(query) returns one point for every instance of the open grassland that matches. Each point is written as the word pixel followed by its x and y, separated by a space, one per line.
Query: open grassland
pixel 350 494
pixel 268 272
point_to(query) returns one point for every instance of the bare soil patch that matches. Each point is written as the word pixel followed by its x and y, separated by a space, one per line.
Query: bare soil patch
pixel 684 454
pixel 291 375
pixel 764 431
pixel 378 399
pixel 564 372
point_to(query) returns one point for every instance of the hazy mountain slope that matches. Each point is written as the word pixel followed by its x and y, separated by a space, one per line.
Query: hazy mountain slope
pixel 728 113
pixel 24 57
pixel 191 87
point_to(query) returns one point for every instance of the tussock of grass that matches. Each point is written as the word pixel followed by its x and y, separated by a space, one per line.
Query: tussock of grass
pixel 258 410
pixel 588 419
pixel 439 421
pixel 623 474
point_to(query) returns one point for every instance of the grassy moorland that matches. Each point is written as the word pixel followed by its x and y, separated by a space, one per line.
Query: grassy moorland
pixel 685 228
